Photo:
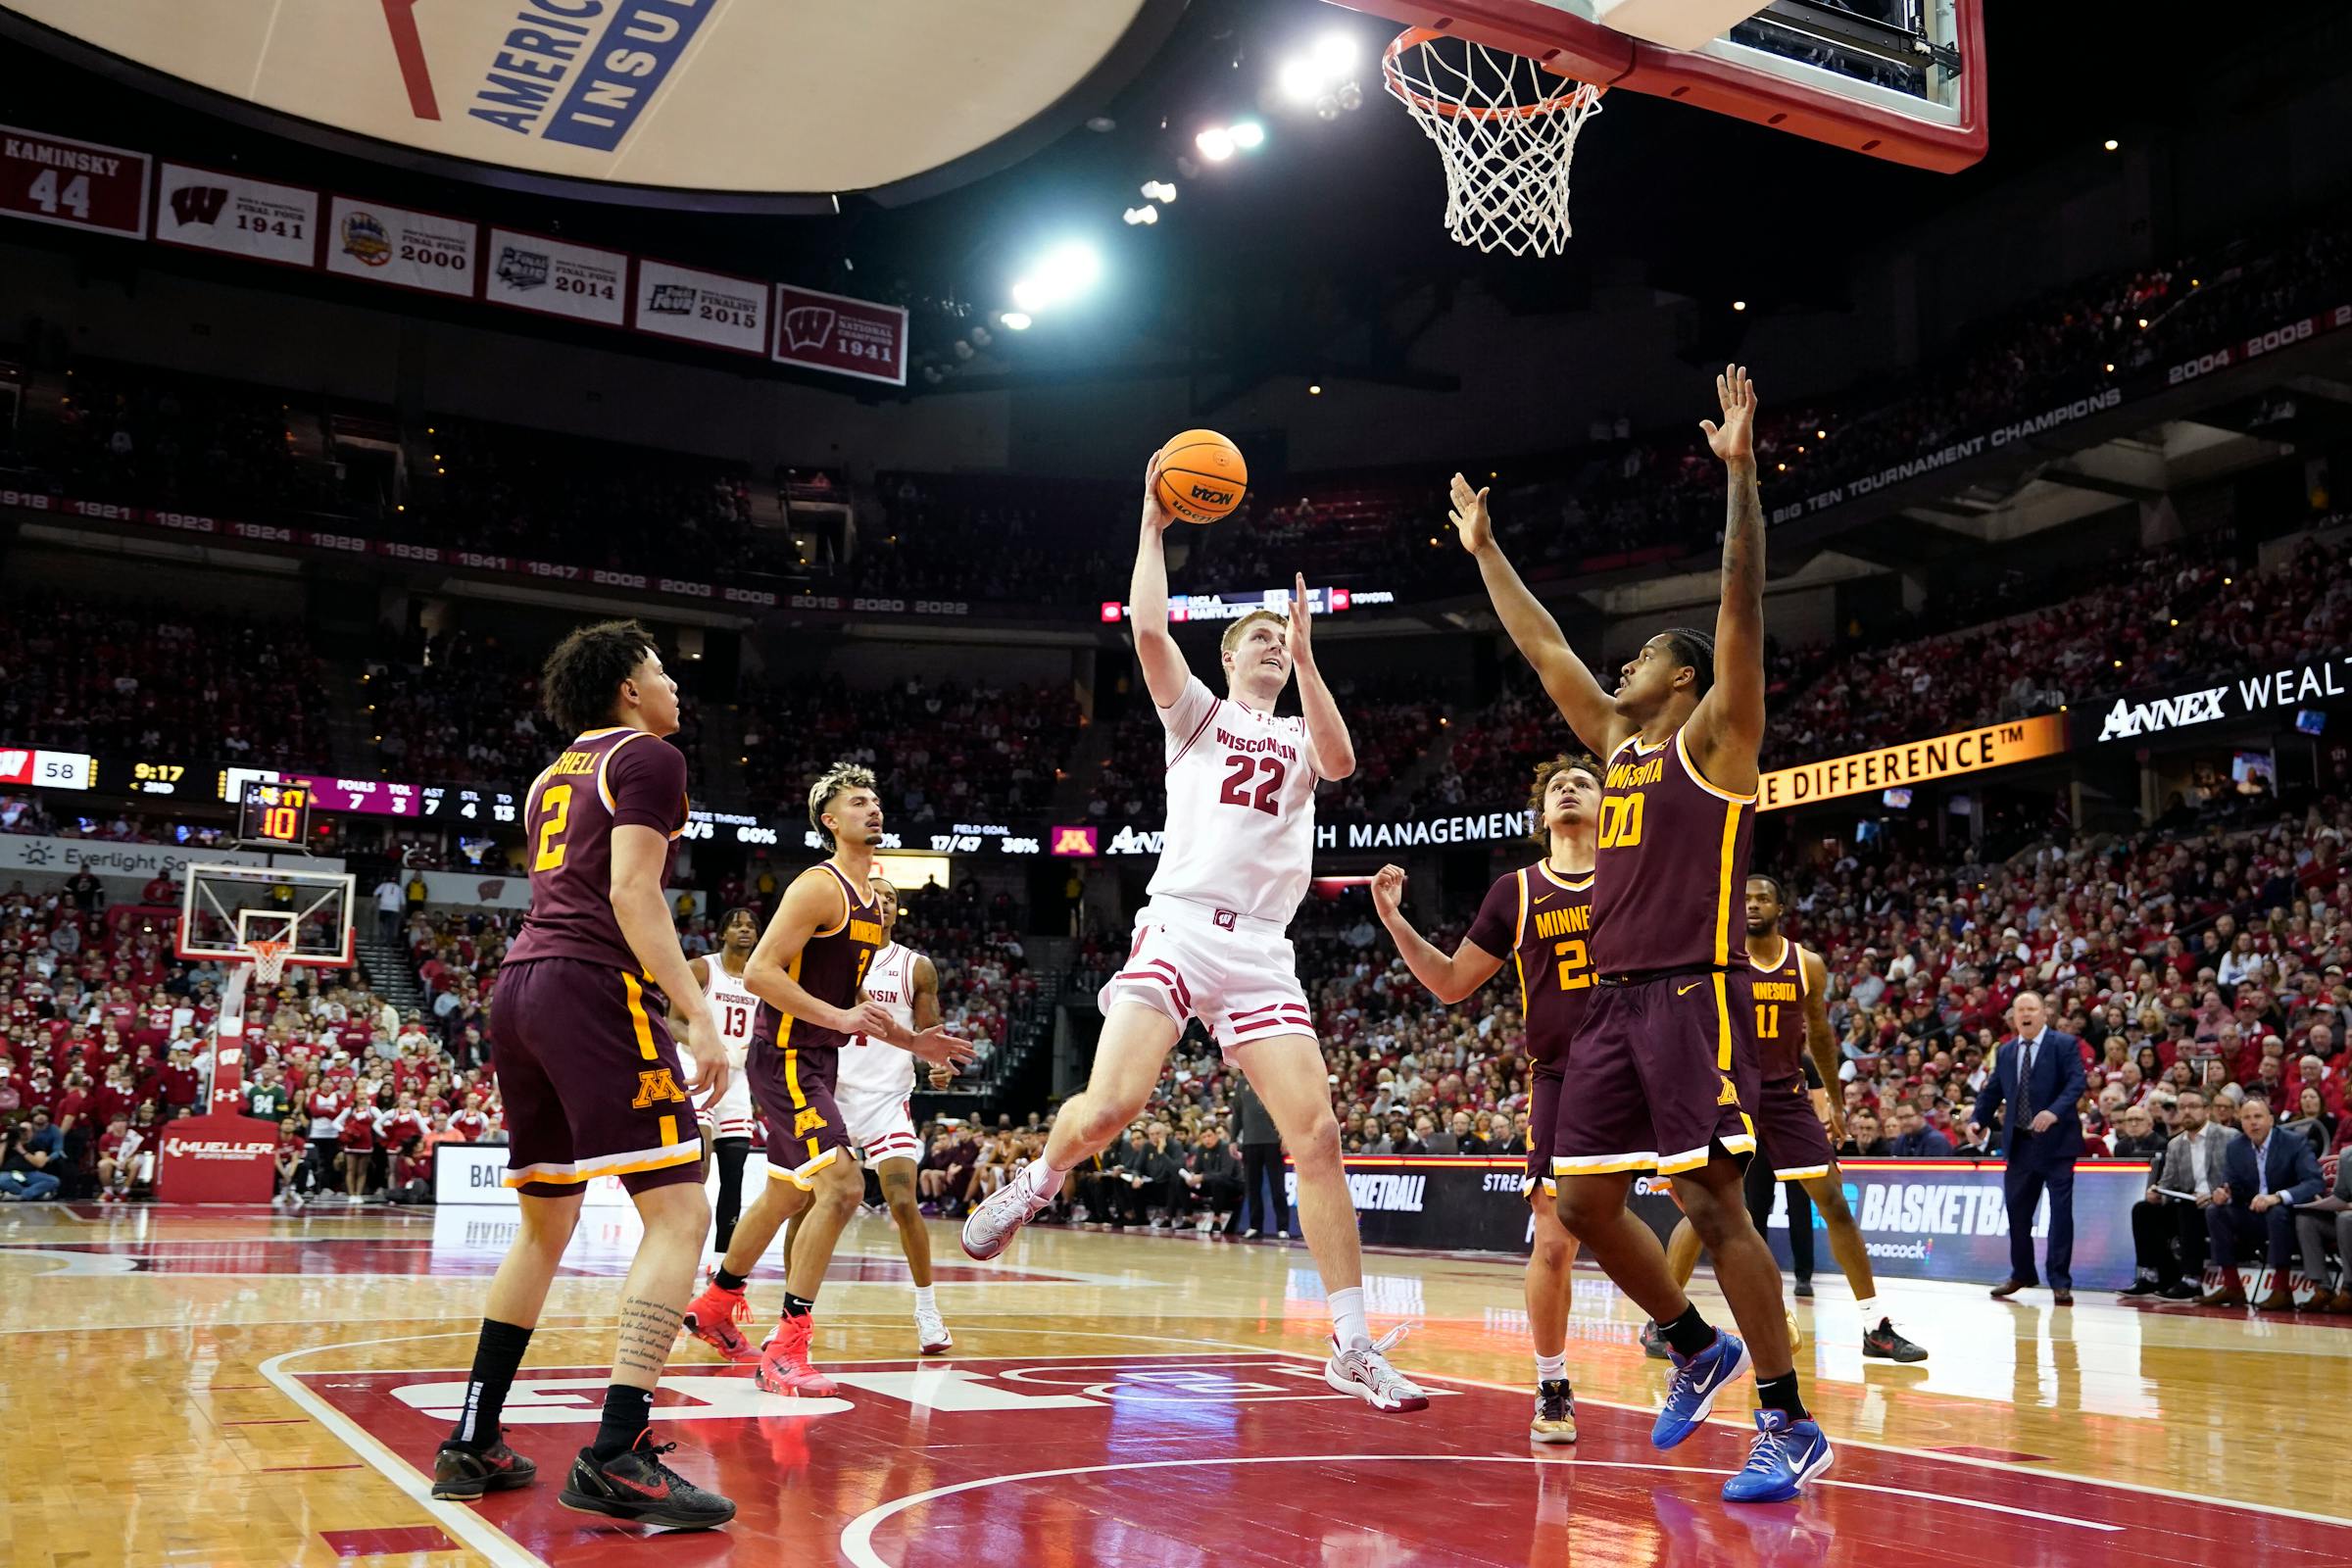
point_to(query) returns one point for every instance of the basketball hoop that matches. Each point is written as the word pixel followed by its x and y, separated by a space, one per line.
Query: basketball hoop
pixel 269 959
pixel 1505 128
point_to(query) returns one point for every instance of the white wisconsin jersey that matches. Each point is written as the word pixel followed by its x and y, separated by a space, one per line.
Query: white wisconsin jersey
pixel 870 1066
pixel 732 1008
pixel 1241 831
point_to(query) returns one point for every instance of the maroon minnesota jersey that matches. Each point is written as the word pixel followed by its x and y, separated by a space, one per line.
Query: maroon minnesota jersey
pixel 1768 1009
pixel 831 967
pixel 1545 923
pixel 1672 863
pixel 608 778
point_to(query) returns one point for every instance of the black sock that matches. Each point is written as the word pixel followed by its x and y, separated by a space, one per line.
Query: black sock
pixel 797 1307
pixel 497 1354
pixel 1689 1334
pixel 726 1281
pixel 1780 1394
pixel 627 1413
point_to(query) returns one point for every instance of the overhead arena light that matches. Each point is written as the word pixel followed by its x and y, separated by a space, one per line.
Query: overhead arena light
pixel 1142 215
pixel 1158 191
pixel 1017 321
pixel 1216 143
pixel 1248 134
pixel 1060 274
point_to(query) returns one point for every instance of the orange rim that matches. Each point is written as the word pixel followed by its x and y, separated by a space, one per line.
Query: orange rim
pixel 1414 38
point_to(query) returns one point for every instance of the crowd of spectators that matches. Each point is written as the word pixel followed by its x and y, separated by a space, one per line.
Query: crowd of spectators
pixel 121 678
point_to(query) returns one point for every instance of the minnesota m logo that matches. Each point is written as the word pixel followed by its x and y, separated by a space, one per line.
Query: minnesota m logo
pixel 808 1121
pixel 198 204
pixel 1726 1095
pixel 655 1083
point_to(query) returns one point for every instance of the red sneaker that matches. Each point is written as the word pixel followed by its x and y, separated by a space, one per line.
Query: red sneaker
pixel 710 1317
pixel 784 1362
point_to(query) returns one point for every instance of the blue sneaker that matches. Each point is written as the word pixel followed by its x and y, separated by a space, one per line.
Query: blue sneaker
pixel 1786 1455
pixel 1697 1380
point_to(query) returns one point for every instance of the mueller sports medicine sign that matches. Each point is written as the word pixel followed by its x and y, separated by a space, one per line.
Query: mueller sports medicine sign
pixel 2146 713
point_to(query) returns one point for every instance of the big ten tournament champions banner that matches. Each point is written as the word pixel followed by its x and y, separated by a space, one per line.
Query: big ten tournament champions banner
pixel 1968 751
pixel 1946 1219
pixel 24 854
pixel 2151 712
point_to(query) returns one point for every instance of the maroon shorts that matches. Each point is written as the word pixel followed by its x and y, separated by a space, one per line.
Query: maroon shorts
pixel 1649 1083
pixel 590 1080
pixel 1542 1124
pixel 1792 1136
pixel 795 1091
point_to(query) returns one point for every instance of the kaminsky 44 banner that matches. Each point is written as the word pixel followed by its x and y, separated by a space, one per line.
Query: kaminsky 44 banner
pixel 841 335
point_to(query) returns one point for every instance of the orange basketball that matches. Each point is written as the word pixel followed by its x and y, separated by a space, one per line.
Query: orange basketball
pixel 1202 476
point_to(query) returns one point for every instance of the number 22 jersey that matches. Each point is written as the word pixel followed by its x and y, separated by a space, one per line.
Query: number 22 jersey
pixel 1240 826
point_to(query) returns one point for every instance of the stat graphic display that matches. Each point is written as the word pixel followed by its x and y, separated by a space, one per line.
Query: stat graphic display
pixel 273 812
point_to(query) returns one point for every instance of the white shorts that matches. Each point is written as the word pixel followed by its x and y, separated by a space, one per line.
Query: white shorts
pixel 1240 980
pixel 879 1124
pixel 732 1116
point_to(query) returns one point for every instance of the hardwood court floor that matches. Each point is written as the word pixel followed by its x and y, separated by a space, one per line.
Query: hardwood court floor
pixel 231 1386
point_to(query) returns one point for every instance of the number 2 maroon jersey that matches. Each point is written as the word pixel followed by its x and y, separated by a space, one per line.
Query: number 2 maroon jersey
pixel 1769 1009
pixel 1671 864
pixel 608 778
pixel 1545 923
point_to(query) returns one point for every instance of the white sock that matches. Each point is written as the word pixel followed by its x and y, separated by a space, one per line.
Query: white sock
pixel 1348 1324
pixel 922 1300
pixel 1868 1306
pixel 1551 1368
pixel 1044 1179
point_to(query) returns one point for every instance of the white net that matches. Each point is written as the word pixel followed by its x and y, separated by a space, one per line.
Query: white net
pixel 269 960
pixel 1505 128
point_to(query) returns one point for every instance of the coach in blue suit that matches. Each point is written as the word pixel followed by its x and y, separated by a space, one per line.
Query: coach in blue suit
pixel 2037 1075
pixel 2265 1174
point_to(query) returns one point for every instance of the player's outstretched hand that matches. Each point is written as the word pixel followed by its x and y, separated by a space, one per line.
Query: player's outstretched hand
pixel 1157 516
pixel 708 1054
pixel 1733 440
pixel 1387 890
pixel 939 1048
pixel 1295 635
pixel 941 1075
pixel 871 1019
pixel 1471 523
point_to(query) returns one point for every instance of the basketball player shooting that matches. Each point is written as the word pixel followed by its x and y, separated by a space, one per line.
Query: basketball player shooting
pixel 1211 943
pixel 809 972
pixel 1541 914
pixel 1648 1084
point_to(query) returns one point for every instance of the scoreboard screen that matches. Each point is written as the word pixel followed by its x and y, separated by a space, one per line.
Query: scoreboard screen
pixel 278 814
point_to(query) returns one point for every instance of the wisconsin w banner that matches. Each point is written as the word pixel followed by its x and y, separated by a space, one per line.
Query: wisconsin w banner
pixel 207 209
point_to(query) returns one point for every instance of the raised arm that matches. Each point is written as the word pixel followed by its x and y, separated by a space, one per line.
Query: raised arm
pixel 1587 708
pixel 1450 979
pixel 1726 731
pixel 1164 671
pixel 1820 1042
pixel 1328 744
pixel 640 855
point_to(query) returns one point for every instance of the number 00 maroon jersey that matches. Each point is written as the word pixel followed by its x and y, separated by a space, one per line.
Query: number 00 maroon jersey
pixel 1672 861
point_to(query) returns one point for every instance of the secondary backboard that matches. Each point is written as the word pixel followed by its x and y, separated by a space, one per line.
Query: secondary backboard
pixel 1900 80
pixel 224 909
pixel 718 107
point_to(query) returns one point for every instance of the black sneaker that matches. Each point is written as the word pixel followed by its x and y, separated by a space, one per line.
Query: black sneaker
pixel 639 1488
pixel 1653 1343
pixel 1804 1290
pixel 1554 1420
pixel 2146 1284
pixel 1888 1346
pixel 463 1474
pixel 2180 1290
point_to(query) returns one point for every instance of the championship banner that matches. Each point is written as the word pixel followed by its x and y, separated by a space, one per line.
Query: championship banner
pixel 556 277
pixel 206 209
pixel 74 184
pixel 844 337
pixel 1968 751
pixel 707 308
pixel 401 246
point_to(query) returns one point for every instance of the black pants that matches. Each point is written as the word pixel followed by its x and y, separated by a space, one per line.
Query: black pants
pixel 730 1154
pixel 1219 1194
pixel 2168 1240
pixel 1261 1188
pixel 1760 1182
pixel 326 1165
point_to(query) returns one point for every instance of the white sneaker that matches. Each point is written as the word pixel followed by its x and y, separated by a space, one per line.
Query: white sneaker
pixel 931 1332
pixel 991 1227
pixel 1364 1371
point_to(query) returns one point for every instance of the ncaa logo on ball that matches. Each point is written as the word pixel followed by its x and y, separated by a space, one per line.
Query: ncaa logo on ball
pixel 1212 495
pixel 366 240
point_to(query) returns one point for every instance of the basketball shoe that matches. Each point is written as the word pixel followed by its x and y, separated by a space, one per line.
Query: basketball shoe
pixel 999 1217
pixel 1787 1453
pixel 1697 1381
pixel 1555 1413
pixel 784 1366
pixel 639 1488
pixel 711 1316
pixel 1363 1370
pixel 931 1334
pixel 1886 1345
pixel 462 1473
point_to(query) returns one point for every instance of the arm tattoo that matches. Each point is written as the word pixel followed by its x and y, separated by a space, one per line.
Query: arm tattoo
pixel 1743 534
pixel 648 1331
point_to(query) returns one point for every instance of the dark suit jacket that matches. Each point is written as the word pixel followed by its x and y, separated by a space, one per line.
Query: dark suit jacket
pixel 2294 1170
pixel 2057 1087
